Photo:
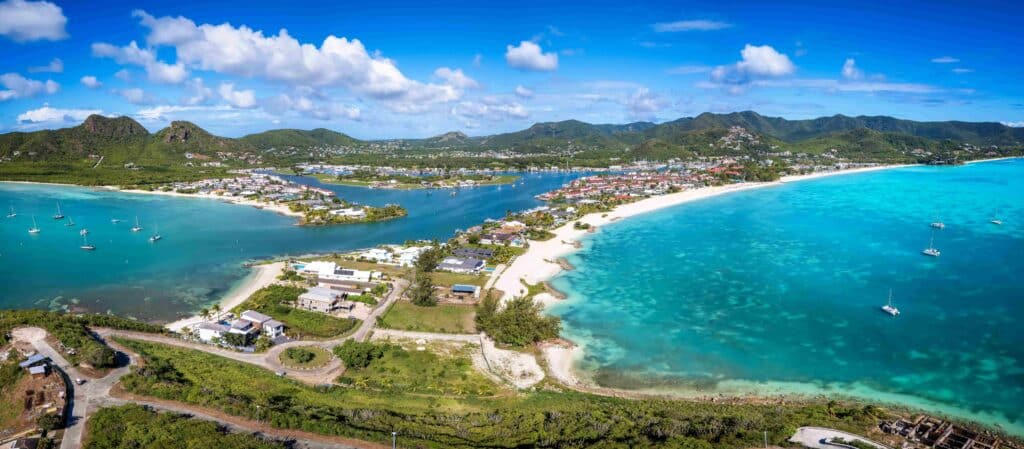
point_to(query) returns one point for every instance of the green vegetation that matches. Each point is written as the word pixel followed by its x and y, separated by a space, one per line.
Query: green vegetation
pixel 372 214
pixel 409 371
pixel 10 374
pixel 50 421
pixel 305 357
pixel 72 333
pixel 358 354
pixel 444 318
pixel 422 292
pixel 859 444
pixel 136 427
pixel 521 322
pixel 298 138
pixel 448 279
pixel 276 300
pixel 408 182
pixel 291 275
pixel 528 419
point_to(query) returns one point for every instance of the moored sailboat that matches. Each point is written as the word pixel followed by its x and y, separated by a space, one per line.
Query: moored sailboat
pixel 85 244
pixel 137 227
pixel 931 250
pixel 12 214
pixel 156 234
pixel 59 215
pixel 889 308
pixel 35 228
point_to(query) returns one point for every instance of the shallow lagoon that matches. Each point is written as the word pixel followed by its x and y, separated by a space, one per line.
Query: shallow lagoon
pixel 778 290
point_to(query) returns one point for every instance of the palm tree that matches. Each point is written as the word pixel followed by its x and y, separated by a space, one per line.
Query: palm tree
pixel 204 312
pixel 216 310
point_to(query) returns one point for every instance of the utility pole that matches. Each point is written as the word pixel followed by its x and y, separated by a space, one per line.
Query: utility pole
pixel 765 439
pixel 394 436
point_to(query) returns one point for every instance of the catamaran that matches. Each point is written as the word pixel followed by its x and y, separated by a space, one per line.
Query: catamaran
pixel 34 229
pixel 12 214
pixel 85 244
pixel 938 225
pixel 58 215
pixel 156 234
pixel 137 226
pixel 930 250
pixel 888 308
pixel 70 222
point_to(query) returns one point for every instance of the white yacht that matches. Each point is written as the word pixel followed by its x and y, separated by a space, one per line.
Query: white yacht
pixel 156 234
pixel 137 227
pixel 58 215
pixel 996 221
pixel 115 220
pixel 931 250
pixel 34 229
pixel 85 244
pixel 12 214
pixel 889 308
pixel 938 225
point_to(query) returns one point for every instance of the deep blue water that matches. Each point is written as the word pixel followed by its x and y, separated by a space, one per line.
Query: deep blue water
pixel 205 241
pixel 778 290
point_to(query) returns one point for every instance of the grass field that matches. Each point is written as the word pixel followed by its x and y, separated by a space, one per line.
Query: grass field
pixel 134 426
pixel 445 318
pixel 447 279
pixel 442 369
pixel 296 357
pixel 10 406
pixel 542 418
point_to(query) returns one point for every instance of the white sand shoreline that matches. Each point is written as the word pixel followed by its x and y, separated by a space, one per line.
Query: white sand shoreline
pixel 278 208
pixel 539 263
pixel 261 276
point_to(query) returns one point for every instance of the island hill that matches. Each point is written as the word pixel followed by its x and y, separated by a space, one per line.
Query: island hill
pixel 120 151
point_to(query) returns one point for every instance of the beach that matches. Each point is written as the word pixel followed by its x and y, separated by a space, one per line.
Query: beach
pixel 273 207
pixel 262 276
pixel 540 262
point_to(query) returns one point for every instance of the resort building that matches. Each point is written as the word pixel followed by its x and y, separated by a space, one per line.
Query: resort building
pixel 461 265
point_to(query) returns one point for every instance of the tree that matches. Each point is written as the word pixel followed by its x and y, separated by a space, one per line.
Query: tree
pixel 422 291
pixel 49 421
pixel 520 323
pixel 99 356
pixel 359 354
pixel 428 260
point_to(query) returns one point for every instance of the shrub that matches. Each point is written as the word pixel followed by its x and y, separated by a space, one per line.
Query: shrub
pixel 357 354
pixel 300 355
pixel 520 323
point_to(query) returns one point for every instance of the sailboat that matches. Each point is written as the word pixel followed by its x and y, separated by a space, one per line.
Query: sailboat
pixel 156 234
pixel 938 225
pixel 888 308
pixel 70 222
pixel 83 232
pixel 115 220
pixel 996 221
pixel 85 244
pixel 137 226
pixel 12 214
pixel 930 250
pixel 58 215
pixel 34 229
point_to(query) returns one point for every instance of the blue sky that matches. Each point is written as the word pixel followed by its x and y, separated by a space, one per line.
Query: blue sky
pixel 414 69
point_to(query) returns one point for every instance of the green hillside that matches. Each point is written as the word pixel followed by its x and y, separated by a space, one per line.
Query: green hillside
pixel 298 138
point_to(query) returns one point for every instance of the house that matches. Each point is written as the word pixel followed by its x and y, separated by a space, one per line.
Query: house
pixel 211 331
pixel 269 326
pixel 502 239
pixel 319 299
pixel 33 360
pixel 461 265
pixel 243 327
pixel 475 253
pixel 38 371
pixel 464 290
pixel 273 328
pixel 330 271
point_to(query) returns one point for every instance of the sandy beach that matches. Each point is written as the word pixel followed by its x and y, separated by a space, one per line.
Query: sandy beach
pixel 262 276
pixel 273 207
pixel 539 263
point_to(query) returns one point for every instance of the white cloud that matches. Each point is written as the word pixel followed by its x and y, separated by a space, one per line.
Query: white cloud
pixel 162 113
pixel 338 61
pixel 490 108
pixel 523 92
pixel 688 70
pixel 945 60
pixel 47 114
pixel 17 86
pixel 690 25
pixel 91 82
pixel 478 59
pixel 243 99
pixel 134 95
pixel 758 62
pixel 850 70
pixel 124 75
pixel 156 70
pixel 55 66
pixel 848 86
pixel 25 21
pixel 307 106
pixel 529 56
pixel 962 70
pixel 456 78
pixel 644 104
pixel 1019 124
pixel 196 92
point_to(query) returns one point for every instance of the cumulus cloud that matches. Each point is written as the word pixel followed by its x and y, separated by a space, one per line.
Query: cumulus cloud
pixel 25 21
pixel 529 56
pixel 849 86
pixel 523 92
pixel 643 104
pixel 163 113
pixel 47 114
pixel 16 86
pixel 690 25
pixel 456 78
pixel 490 108
pixel 243 99
pixel 134 95
pixel 310 106
pixel 850 70
pixel 156 70
pixel 124 75
pixel 55 66
pixel 196 92
pixel 1019 124
pixel 757 62
pixel 91 82
pixel 338 61
pixel 945 60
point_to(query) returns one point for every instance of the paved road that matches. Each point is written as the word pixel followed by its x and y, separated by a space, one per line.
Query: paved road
pixel 429 336
pixel 364 330
pixel 814 438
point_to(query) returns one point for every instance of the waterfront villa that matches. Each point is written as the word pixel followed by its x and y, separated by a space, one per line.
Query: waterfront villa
pixel 330 271
pixel 509 239
pixel 474 253
pixel 325 300
pixel 461 265
pixel 403 256
pixel 249 323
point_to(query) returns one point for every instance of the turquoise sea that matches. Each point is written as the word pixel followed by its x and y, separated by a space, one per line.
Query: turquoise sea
pixel 205 242
pixel 778 290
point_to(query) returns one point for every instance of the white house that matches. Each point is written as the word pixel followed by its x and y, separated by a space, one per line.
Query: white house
pixel 330 271
pixel 210 331
pixel 265 324
pixel 349 212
